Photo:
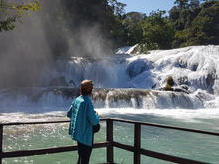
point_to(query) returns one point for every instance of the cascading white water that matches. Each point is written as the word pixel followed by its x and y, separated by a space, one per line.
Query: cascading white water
pixel 195 68
pixel 106 72
pixel 51 99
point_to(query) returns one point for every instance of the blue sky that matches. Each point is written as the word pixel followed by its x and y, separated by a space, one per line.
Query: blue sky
pixel 146 6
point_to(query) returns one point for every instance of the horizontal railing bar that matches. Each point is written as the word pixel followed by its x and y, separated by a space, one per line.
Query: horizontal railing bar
pixel 169 158
pixel 123 146
pixel 120 120
pixel 39 122
pixel 101 145
pixel 157 155
pixel 167 127
pixel 31 123
pixel 23 153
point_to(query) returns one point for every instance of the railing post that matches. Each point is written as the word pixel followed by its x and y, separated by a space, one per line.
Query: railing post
pixel 1 141
pixel 137 144
pixel 109 138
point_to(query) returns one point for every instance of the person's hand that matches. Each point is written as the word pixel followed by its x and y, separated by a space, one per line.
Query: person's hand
pixel 96 113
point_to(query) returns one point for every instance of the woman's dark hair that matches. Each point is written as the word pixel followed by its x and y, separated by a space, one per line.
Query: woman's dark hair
pixel 86 87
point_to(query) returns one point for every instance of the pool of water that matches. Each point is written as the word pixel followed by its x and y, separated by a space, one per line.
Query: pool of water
pixel 183 144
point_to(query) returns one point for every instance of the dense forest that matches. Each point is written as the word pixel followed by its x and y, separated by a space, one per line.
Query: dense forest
pixel 189 22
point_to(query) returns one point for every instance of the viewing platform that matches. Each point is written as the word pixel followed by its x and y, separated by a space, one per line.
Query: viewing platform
pixel 109 144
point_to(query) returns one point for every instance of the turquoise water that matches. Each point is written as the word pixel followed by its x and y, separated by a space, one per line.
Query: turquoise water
pixel 183 144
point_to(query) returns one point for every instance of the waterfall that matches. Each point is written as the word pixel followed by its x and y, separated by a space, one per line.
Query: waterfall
pixel 125 81
pixel 194 67
pixel 51 99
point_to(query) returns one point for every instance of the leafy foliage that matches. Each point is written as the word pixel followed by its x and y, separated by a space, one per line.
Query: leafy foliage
pixel 132 26
pixel 196 26
pixel 190 22
pixel 157 30
pixel 12 12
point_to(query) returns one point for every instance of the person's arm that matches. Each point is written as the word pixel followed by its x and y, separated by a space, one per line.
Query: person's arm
pixel 69 112
pixel 91 114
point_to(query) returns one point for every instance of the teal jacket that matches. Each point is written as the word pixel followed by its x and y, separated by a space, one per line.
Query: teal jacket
pixel 83 118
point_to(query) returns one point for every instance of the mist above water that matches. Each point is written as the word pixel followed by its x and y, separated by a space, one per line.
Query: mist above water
pixel 42 37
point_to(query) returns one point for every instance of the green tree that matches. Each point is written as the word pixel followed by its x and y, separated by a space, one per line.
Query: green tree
pixel 117 7
pixel 182 17
pixel 10 12
pixel 132 27
pixel 182 4
pixel 158 30
pixel 135 16
pixel 194 3
pixel 205 27
pixel 199 26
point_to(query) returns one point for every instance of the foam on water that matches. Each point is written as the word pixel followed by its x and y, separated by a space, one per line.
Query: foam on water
pixel 186 115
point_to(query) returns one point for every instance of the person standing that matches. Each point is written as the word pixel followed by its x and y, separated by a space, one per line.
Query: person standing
pixel 83 118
